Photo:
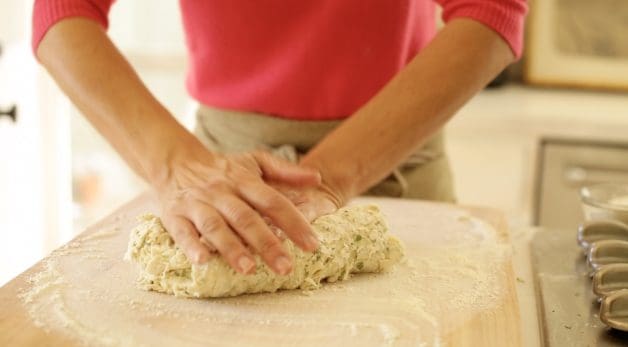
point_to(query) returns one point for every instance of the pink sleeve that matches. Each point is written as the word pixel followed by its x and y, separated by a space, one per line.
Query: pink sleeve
pixel 506 17
pixel 46 13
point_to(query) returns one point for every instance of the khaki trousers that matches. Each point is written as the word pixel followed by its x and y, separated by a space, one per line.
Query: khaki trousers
pixel 425 175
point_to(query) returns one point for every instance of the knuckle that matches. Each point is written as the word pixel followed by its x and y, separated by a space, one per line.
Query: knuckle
pixel 216 184
pixel 281 235
pixel 246 178
pixel 246 220
pixel 242 217
pixel 211 225
pixel 273 202
pixel 269 245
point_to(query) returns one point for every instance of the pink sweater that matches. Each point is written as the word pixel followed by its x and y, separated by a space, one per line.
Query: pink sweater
pixel 306 59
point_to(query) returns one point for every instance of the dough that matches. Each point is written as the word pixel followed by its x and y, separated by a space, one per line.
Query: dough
pixel 353 239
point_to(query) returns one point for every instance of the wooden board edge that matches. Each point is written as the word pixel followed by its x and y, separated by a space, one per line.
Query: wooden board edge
pixel 507 308
pixel 494 217
pixel 488 328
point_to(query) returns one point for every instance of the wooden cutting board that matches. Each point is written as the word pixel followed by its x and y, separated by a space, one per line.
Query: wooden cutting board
pixel 441 296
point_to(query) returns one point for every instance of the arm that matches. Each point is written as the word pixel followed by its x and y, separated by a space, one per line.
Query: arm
pixel 205 197
pixel 458 63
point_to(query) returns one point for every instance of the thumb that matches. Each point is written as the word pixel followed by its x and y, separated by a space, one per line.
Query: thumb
pixel 276 169
pixel 314 209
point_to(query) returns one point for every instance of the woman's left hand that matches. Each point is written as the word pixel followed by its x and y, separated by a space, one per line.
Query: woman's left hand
pixel 313 202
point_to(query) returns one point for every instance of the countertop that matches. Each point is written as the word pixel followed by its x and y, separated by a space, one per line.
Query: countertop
pixel 493 324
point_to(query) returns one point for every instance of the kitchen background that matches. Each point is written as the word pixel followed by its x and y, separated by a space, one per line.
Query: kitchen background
pixel 554 122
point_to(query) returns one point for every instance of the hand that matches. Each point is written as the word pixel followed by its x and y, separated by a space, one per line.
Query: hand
pixel 219 200
pixel 313 201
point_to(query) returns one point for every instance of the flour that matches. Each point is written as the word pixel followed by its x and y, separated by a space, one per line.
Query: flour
pixel 103 234
pixel 456 270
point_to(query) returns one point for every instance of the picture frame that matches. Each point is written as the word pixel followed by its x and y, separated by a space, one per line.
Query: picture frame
pixel 577 43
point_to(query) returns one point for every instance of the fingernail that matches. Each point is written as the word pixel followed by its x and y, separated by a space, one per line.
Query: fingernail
pixel 245 264
pixel 283 265
pixel 200 258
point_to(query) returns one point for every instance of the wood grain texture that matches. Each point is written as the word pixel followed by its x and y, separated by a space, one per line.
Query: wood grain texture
pixel 500 326
pixel 497 326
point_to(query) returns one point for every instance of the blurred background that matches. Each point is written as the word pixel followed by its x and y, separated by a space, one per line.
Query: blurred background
pixel 548 125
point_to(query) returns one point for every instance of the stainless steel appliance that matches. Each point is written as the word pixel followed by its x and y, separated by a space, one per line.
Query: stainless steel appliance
pixel 568 309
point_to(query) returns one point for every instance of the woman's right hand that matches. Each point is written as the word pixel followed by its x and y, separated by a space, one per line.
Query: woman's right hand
pixel 221 201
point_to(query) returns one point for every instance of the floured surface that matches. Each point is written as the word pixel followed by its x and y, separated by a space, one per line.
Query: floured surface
pixel 455 283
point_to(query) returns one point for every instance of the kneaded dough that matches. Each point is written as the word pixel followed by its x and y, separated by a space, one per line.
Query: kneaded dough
pixel 353 239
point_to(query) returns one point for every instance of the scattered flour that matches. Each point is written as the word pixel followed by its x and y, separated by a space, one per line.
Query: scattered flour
pixel 85 291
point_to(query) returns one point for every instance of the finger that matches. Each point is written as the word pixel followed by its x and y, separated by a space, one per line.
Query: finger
pixel 247 161
pixel 209 245
pixel 276 169
pixel 250 226
pixel 278 232
pixel 187 238
pixel 214 229
pixel 281 211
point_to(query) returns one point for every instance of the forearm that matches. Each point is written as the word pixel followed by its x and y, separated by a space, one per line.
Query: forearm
pixel 207 199
pixel 106 89
pixel 459 62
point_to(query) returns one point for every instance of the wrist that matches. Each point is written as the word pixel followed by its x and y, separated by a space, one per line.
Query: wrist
pixel 334 195
pixel 163 168
pixel 338 187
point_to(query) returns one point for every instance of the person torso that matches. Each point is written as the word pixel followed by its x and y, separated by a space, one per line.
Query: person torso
pixel 307 59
